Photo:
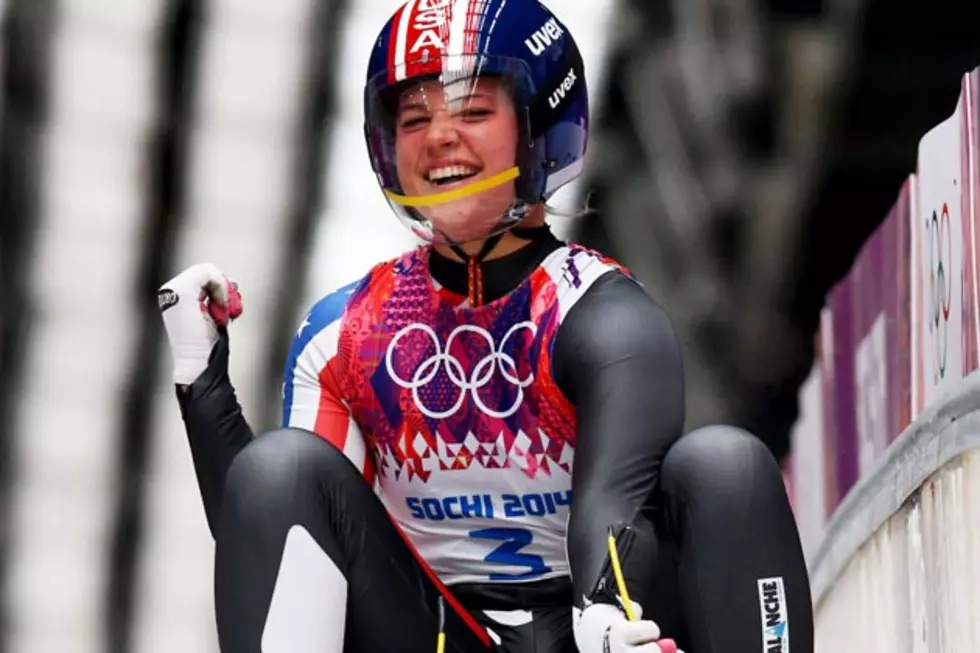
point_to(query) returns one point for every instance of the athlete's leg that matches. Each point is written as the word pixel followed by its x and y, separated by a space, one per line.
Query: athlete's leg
pixel 529 617
pixel 741 574
pixel 307 560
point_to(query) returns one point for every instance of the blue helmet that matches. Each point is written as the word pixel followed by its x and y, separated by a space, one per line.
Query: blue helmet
pixel 521 44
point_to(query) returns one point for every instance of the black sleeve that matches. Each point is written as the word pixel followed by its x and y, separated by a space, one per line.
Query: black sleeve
pixel 216 428
pixel 617 359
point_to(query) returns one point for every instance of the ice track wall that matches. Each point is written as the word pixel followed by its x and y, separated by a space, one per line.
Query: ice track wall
pixel 899 567
pixel 885 474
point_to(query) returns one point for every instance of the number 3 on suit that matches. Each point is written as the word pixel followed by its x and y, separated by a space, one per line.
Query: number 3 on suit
pixel 509 553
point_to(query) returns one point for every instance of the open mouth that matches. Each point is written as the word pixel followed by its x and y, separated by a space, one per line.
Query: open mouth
pixel 448 175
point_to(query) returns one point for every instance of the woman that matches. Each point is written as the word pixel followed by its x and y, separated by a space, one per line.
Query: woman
pixel 479 434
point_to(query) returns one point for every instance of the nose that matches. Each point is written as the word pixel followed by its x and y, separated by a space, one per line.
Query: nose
pixel 442 131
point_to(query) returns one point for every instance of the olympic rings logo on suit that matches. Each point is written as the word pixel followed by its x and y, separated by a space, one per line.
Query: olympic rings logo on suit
pixel 480 376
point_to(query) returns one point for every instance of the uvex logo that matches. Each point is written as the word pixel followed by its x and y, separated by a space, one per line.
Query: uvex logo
pixel 543 37
pixel 556 98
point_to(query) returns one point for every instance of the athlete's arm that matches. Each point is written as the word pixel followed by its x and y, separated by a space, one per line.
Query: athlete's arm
pixel 216 428
pixel 312 396
pixel 618 360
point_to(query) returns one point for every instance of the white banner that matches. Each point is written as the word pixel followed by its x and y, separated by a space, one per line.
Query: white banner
pixel 809 474
pixel 937 234
pixel 871 395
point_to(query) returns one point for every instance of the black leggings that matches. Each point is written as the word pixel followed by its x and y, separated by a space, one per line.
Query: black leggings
pixel 307 557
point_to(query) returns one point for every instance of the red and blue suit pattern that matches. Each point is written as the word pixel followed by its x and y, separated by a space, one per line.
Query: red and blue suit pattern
pixel 451 410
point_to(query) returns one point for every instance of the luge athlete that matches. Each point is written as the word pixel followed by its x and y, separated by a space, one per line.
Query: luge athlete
pixel 465 427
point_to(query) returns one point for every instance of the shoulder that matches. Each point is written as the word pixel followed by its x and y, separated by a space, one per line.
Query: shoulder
pixel 584 258
pixel 325 318
pixel 316 339
pixel 574 269
pixel 332 307
pixel 615 319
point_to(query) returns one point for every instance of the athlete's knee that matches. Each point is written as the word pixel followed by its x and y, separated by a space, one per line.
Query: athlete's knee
pixel 280 464
pixel 721 461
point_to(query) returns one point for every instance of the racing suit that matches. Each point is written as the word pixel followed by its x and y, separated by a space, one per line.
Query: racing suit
pixel 449 467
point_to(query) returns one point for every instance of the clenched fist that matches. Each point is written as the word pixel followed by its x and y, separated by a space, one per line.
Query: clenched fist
pixel 193 305
pixel 603 628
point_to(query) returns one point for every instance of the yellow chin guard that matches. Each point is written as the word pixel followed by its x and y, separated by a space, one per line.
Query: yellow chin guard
pixel 457 193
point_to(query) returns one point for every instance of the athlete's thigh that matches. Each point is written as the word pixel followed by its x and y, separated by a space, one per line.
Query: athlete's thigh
pixel 400 612
pixel 650 569
pixel 539 630
pixel 299 526
pixel 395 601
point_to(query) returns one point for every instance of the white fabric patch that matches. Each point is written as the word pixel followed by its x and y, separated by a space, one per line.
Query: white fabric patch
pixel 309 602
pixel 512 618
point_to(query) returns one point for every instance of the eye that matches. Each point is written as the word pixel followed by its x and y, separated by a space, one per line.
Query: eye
pixel 413 122
pixel 476 113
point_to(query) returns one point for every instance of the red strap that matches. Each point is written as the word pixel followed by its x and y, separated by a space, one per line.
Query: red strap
pixel 453 602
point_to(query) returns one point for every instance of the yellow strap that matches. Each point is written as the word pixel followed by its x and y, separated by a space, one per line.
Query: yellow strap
pixel 624 595
pixel 456 193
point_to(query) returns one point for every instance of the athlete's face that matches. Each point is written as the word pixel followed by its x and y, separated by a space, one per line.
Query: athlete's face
pixel 450 137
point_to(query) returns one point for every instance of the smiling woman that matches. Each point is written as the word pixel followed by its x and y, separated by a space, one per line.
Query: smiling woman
pixel 438 417
pixel 466 145
pixel 451 138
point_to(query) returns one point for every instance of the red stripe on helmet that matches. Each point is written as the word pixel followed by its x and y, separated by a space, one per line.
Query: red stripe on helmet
pixel 393 42
pixel 427 37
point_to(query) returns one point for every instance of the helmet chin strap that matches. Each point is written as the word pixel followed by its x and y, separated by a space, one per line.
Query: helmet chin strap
pixel 474 268
pixel 474 263
pixel 434 199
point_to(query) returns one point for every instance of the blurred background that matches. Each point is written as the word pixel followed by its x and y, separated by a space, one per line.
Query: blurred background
pixel 742 151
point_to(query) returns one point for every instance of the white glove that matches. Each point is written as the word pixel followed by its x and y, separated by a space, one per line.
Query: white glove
pixel 603 628
pixel 193 305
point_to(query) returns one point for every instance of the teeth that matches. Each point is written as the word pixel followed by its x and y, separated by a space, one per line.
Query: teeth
pixel 450 171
